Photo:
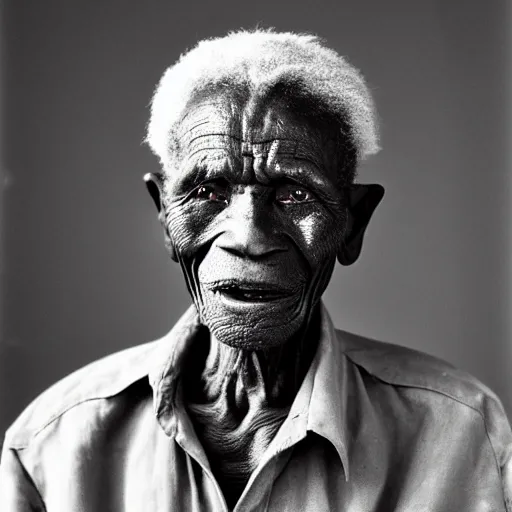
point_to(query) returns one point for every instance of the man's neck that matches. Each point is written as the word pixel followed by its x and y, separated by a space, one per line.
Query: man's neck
pixel 270 377
pixel 242 399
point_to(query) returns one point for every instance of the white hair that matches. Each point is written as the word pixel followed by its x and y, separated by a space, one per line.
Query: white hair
pixel 259 60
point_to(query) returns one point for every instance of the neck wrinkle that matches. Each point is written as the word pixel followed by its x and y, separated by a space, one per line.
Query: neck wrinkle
pixel 237 378
pixel 241 398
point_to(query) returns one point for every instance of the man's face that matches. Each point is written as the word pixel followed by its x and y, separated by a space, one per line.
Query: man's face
pixel 255 218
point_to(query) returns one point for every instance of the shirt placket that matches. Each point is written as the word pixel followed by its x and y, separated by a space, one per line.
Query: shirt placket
pixel 258 490
pixel 188 441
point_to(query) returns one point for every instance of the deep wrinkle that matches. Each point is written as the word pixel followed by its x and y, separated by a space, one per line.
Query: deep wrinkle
pixel 285 167
pixel 218 138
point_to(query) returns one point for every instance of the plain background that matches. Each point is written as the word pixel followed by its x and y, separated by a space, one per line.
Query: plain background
pixel 83 269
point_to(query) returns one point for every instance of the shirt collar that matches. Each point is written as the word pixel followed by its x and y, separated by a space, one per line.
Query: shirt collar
pixel 166 368
pixel 327 413
pixel 321 400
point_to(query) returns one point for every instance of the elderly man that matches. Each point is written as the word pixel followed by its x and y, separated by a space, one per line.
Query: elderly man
pixel 254 401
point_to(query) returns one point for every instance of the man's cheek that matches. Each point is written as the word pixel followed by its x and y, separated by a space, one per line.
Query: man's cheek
pixel 190 229
pixel 318 236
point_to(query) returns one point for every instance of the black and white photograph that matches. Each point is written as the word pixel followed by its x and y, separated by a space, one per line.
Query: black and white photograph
pixel 255 256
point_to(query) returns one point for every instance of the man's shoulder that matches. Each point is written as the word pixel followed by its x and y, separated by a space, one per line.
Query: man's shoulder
pixel 100 379
pixel 400 366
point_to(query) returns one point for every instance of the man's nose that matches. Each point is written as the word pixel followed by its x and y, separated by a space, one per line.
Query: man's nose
pixel 251 233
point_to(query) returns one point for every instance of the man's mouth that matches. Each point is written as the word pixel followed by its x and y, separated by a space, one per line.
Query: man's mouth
pixel 251 292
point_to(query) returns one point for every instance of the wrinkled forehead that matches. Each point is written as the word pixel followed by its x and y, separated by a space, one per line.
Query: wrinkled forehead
pixel 257 132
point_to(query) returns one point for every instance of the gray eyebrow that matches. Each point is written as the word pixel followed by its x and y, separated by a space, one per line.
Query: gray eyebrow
pixel 312 178
pixel 193 173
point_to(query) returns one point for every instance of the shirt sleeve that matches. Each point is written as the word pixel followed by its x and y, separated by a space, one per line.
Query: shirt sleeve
pixel 17 490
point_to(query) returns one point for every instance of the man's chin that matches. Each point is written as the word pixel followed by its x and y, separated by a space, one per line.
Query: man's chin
pixel 252 321
pixel 253 324
pixel 268 339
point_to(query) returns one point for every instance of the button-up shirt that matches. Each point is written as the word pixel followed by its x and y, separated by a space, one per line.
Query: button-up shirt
pixel 374 427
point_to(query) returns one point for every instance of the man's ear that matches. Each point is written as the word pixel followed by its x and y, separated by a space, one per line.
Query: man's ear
pixel 155 185
pixel 362 201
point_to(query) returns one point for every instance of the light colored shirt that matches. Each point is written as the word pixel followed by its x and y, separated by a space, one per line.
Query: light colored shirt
pixel 374 427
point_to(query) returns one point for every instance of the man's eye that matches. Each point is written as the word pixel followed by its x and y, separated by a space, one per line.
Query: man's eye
pixel 293 194
pixel 215 192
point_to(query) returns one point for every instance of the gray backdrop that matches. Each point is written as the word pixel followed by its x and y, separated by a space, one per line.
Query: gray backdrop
pixel 84 272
